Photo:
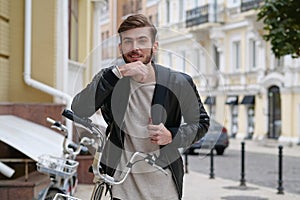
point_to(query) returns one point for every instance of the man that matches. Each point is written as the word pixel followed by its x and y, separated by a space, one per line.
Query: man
pixel 143 104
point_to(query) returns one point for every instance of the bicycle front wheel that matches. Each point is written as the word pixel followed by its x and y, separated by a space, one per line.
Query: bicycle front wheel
pixel 102 192
pixel 51 194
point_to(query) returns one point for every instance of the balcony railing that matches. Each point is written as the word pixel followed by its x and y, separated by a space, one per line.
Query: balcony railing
pixel 197 16
pixel 250 4
pixel 212 13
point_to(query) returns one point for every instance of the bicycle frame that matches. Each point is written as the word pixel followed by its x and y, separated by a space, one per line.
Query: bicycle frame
pixel 62 171
pixel 104 182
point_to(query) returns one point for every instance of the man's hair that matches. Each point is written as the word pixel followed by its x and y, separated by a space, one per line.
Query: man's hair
pixel 137 21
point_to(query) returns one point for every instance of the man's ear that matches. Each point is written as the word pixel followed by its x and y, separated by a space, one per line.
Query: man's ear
pixel 155 47
pixel 120 48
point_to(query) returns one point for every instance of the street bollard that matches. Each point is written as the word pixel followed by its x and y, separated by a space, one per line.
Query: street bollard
pixel 211 174
pixel 280 182
pixel 186 163
pixel 243 181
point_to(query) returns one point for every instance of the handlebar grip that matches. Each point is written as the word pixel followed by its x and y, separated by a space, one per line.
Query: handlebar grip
pixel 52 121
pixel 70 115
pixel 56 124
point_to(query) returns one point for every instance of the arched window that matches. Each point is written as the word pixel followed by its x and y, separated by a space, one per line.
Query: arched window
pixel 274 114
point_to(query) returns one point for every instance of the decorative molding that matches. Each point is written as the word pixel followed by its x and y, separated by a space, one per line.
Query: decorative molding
pixel 177 38
pixel 235 25
pixel 273 78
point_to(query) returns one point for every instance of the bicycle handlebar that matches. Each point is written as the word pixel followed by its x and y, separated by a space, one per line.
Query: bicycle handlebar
pixel 83 121
pixel 57 125
pixel 86 122
pixel 69 150
pixel 146 157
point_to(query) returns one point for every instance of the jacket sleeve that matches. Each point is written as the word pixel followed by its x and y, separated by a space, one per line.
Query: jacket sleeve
pixel 196 119
pixel 90 99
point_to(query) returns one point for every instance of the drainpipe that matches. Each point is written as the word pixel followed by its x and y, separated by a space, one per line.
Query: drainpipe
pixel 27 66
pixel 6 170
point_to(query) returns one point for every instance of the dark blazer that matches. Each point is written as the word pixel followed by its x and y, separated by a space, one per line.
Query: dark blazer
pixel 175 97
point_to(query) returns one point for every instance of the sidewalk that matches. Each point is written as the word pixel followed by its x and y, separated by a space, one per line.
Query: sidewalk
pixel 198 186
pixel 265 146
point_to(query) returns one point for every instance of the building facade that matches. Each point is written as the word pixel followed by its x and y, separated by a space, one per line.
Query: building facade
pixel 49 50
pixel 255 94
pixel 220 44
pixel 43 48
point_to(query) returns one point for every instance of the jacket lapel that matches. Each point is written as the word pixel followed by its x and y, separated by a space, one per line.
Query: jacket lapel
pixel 119 100
pixel 158 113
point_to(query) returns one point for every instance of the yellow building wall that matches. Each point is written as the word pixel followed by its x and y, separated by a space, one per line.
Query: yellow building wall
pixel 4 50
pixel 296 116
pixel 260 128
pixel 242 119
pixel 221 113
pixel 43 50
pixel 85 35
pixel 287 111
pixel 84 29
pixel 73 35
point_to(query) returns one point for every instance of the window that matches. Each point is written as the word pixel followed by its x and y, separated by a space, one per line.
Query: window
pixel 198 60
pixel 278 62
pixel 168 11
pixel 216 57
pixel 170 59
pixel 73 30
pixel 150 19
pixel 252 54
pixel 250 116
pixel 182 61
pixel 236 55
pixel 181 10
pixel 234 120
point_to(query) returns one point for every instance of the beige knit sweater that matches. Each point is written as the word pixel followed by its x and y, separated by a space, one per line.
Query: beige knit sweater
pixel 144 182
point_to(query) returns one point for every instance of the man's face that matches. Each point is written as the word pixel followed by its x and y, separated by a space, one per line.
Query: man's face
pixel 136 45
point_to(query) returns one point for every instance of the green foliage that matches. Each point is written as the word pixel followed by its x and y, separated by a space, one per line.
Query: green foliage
pixel 281 20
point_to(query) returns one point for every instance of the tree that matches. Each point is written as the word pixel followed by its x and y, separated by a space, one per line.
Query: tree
pixel 281 20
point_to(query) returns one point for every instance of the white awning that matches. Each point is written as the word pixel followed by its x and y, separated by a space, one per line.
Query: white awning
pixel 30 138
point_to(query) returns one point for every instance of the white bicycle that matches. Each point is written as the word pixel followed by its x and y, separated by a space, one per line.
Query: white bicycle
pixel 103 182
pixel 62 171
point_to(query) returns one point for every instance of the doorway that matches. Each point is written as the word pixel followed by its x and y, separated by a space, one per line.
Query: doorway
pixel 274 107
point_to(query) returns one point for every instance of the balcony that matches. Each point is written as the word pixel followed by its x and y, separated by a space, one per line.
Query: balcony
pixel 250 4
pixel 197 16
pixel 209 13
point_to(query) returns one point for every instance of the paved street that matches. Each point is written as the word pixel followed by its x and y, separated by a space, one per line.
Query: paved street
pixel 260 169
pixel 261 164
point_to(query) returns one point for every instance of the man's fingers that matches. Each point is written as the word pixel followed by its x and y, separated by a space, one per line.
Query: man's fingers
pixel 155 139
pixel 159 134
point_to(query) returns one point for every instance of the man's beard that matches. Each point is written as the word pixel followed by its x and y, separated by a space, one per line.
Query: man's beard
pixel 148 58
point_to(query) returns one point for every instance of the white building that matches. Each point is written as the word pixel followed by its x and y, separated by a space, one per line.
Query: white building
pixel 220 43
